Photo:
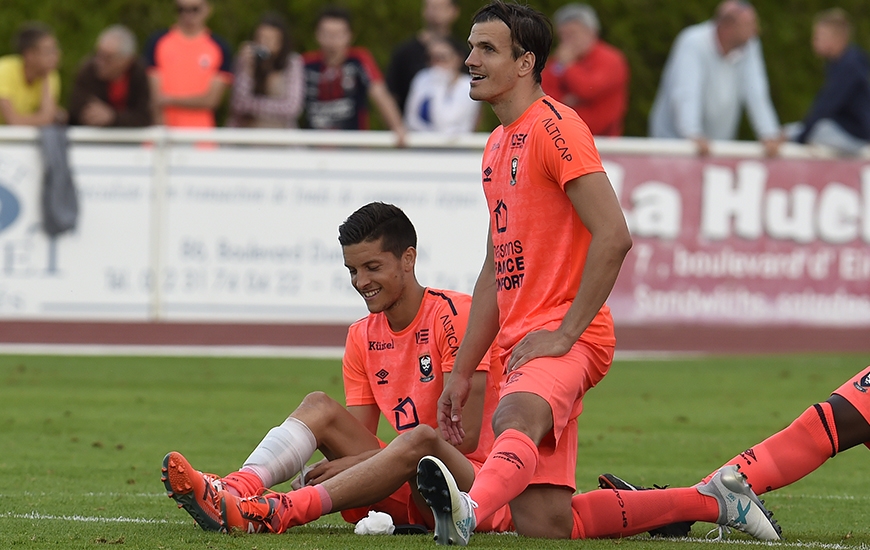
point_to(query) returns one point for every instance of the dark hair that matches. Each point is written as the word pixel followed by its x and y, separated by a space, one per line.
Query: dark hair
pixel 531 31
pixel 29 35
pixel 334 12
pixel 277 62
pixel 379 220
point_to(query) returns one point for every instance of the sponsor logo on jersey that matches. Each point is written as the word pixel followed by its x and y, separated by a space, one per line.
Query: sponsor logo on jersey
pixel 518 140
pixel 422 336
pixel 515 163
pixel 406 414
pixel 425 362
pixel 381 346
pixel 382 377
pixel 501 216
pixel 862 384
pixel 486 175
pixel 555 134
pixel 450 334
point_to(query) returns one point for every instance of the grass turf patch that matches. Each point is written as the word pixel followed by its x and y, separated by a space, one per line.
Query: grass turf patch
pixel 83 439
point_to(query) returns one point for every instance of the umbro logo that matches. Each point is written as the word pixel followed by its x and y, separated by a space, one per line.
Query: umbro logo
pixel 486 175
pixel 510 457
pixel 513 377
pixel 749 455
pixel 382 375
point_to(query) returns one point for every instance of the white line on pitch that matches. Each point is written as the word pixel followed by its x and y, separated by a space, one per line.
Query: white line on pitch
pixel 796 544
pixel 88 519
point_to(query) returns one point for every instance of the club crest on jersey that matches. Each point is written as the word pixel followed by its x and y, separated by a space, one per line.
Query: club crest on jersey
pixel 863 384
pixel 515 162
pixel 425 362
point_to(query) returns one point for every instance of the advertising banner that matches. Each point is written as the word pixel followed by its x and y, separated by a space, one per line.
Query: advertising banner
pixel 249 234
pixel 744 241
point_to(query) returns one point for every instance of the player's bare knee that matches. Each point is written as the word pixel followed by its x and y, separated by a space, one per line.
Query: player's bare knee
pixel 543 529
pixel 421 440
pixel 321 404
pixel 542 524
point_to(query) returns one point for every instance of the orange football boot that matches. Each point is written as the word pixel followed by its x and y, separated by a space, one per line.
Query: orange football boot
pixel 274 513
pixel 195 491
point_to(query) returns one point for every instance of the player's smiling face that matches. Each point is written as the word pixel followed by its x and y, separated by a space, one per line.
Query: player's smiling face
pixel 378 275
pixel 491 63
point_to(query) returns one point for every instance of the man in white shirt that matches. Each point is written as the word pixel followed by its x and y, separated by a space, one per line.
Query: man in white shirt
pixel 714 69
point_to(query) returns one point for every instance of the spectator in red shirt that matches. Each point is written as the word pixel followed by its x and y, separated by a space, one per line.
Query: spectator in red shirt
pixel 189 68
pixel 111 88
pixel 340 79
pixel 586 73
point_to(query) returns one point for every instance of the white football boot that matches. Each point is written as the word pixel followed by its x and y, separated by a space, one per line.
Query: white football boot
pixel 453 509
pixel 739 507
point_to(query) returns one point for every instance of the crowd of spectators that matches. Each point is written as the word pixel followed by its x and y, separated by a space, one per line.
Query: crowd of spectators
pixel 714 72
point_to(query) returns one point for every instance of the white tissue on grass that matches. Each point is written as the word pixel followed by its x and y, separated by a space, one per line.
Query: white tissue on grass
pixel 376 523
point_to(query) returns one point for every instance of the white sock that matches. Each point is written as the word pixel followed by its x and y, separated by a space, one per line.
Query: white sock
pixel 282 453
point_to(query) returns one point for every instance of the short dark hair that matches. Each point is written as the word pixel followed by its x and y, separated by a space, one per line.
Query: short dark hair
pixel 334 12
pixel 837 18
pixel 379 220
pixel 29 35
pixel 531 31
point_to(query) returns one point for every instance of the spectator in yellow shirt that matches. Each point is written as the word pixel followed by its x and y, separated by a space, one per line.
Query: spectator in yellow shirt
pixel 29 81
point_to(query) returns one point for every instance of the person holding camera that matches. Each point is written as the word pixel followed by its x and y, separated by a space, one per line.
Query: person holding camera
pixel 269 80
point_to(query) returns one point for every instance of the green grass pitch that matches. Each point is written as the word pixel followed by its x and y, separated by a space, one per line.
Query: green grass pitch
pixel 82 440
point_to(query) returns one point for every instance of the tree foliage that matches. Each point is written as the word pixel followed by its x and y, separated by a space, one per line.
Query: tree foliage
pixel 643 29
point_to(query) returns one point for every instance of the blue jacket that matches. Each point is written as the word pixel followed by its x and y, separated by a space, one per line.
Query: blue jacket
pixel 845 95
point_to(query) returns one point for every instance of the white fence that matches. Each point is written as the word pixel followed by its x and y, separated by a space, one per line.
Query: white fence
pixel 241 225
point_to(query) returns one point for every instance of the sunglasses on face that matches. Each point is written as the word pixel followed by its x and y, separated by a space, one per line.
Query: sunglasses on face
pixel 188 9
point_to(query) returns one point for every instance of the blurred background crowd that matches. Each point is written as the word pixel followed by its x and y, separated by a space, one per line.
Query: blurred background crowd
pixel 706 70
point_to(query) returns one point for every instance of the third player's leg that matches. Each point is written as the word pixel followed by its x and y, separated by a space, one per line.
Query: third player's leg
pixel 852 427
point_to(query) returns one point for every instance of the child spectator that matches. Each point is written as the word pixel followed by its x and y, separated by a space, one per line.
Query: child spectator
pixel 438 100
pixel 29 81
pixel 340 79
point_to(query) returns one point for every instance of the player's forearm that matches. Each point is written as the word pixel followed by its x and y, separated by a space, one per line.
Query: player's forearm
pixel 40 118
pixel 482 324
pixel 603 262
